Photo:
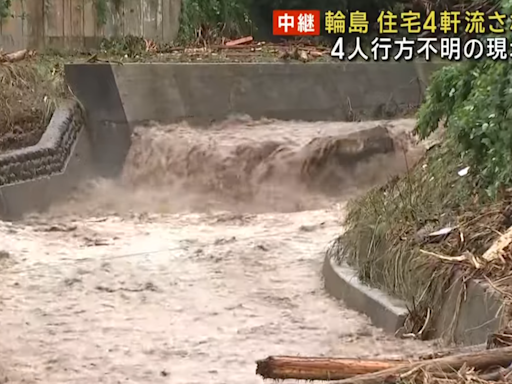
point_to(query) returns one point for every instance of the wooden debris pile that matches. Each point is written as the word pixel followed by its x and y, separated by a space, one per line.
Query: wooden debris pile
pixel 487 365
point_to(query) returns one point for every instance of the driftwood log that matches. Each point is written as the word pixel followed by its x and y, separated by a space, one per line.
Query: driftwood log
pixel 318 368
pixel 362 371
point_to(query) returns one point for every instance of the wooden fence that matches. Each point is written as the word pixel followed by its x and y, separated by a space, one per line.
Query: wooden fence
pixel 39 24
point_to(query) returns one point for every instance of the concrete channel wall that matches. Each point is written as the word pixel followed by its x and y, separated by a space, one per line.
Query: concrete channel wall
pixel 32 178
pixel 82 143
pixel 471 311
pixel 119 97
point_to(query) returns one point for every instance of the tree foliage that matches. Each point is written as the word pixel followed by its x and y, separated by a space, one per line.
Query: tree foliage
pixel 5 6
pixel 475 101
pixel 212 18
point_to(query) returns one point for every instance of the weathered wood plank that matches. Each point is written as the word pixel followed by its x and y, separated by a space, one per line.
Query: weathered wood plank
pixel 115 22
pixel 132 18
pixel 170 19
pixel 54 23
pixel 34 24
pixel 90 40
pixel 77 23
pixel 149 19
pixel 12 29
pixel 66 23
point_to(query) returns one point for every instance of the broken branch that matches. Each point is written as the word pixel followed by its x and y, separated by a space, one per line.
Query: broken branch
pixel 242 40
pixel 498 247
pixel 481 360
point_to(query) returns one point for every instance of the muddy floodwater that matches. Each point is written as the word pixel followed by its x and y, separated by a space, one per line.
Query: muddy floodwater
pixel 204 257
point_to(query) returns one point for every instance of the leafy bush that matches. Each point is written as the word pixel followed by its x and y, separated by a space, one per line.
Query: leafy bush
pixel 475 99
pixel 210 19
pixel 5 6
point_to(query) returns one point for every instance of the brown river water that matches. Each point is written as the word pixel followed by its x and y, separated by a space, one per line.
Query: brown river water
pixel 203 258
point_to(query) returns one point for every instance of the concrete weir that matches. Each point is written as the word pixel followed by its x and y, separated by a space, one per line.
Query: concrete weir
pixel 119 97
pixel 93 137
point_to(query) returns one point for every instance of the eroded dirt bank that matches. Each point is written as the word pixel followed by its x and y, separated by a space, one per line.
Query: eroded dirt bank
pixel 172 276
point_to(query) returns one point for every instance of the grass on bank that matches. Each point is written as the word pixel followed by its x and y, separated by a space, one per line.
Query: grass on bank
pixel 386 237
pixel 29 93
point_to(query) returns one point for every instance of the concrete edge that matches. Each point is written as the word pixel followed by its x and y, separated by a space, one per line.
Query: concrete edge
pixel 31 178
pixel 50 154
pixel 471 312
pixel 384 311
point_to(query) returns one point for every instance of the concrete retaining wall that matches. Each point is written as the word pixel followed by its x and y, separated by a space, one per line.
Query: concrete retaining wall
pixel 384 311
pixel 32 178
pixel 472 310
pixel 209 92
pixel 119 97
pixel 470 313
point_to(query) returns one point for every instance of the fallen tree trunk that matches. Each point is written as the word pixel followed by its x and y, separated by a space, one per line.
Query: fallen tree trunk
pixel 482 360
pixel 318 368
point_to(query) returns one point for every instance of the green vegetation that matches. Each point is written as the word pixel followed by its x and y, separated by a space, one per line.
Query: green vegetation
pixel 206 20
pixel 5 6
pixel 129 45
pixel 29 94
pixel 385 238
pixel 475 99
pixel 102 10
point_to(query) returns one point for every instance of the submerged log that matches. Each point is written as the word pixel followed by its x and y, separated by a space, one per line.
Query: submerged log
pixel 319 368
